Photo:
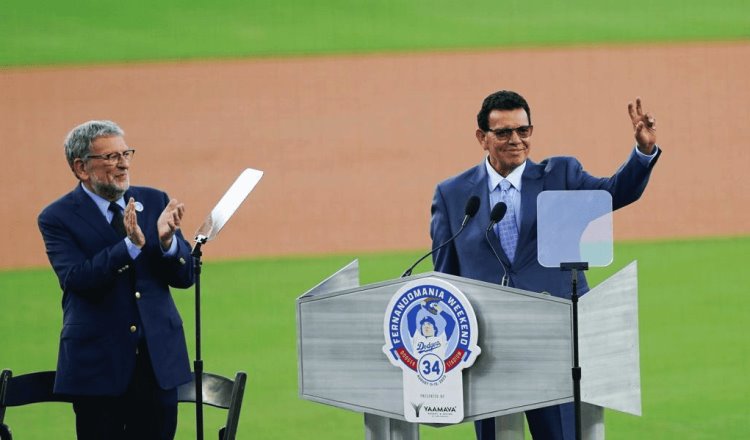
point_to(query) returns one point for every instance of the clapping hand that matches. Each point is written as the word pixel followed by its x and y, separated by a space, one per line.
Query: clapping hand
pixel 169 222
pixel 131 225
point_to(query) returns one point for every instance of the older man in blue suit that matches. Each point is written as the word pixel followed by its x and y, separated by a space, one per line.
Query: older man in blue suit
pixel 508 175
pixel 116 250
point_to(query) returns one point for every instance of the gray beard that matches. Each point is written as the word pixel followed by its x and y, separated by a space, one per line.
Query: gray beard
pixel 108 191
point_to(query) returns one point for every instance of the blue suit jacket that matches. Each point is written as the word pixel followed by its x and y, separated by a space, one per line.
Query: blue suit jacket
pixel 470 255
pixel 106 292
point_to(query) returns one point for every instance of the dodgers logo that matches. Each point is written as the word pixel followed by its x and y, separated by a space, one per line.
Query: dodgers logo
pixel 431 333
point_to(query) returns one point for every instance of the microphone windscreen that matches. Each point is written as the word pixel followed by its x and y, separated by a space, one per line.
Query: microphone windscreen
pixel 472 206
pixel 498 212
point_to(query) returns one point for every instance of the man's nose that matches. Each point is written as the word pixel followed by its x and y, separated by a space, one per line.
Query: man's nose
pixel 514 138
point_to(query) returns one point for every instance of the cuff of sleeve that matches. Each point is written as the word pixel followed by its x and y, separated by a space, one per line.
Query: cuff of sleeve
pixel 172 251
pixel 646 159
pixel 133 250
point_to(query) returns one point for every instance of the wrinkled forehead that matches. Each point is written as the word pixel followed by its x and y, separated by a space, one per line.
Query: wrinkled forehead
pixel 108 144
pixel 508 118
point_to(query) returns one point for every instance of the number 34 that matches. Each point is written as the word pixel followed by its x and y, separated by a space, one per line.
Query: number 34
pixel 430 368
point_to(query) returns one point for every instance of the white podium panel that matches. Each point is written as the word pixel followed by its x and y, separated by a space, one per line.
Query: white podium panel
pixel 525 361
pixel 525 339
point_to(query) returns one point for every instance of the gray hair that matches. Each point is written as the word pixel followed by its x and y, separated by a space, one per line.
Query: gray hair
pixel 78 142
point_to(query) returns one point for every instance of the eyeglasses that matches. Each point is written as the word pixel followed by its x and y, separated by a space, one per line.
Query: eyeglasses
pixel 113 158
pixel 504 134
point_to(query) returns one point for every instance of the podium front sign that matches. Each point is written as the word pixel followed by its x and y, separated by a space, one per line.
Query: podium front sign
pixel 431 333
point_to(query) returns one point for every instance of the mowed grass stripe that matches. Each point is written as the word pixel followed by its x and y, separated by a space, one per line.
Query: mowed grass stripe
pixel 56 32
pixel 694 349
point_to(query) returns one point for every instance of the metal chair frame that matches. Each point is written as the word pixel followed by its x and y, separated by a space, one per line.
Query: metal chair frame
pixel 218 391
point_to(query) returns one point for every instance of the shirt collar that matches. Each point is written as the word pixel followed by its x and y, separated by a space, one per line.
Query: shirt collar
pixel 495 178
pixel 101 202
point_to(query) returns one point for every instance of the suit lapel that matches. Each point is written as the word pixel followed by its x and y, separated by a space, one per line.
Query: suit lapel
pixel 531 186
pixel 89 213
pixel 478 187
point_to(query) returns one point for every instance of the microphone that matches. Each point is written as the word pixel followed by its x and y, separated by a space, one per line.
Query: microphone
pixel 472 206
pixel 497 214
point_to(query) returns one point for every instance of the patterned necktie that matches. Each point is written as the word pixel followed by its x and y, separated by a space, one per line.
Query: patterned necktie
pixel 117 222
pixel 507 230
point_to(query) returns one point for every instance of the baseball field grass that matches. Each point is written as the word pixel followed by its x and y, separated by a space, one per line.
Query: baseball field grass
pixel 695 353
pixel 38 32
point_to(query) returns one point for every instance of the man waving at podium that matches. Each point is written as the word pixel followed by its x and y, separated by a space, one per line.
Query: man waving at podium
pixel 116 250
pixel 508 175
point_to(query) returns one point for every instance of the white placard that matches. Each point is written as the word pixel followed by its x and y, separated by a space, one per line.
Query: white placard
pixel 431 333
pixel 228 204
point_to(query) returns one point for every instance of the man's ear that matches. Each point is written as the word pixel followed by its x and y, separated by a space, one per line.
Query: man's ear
pixel 481 136
pixel 79 169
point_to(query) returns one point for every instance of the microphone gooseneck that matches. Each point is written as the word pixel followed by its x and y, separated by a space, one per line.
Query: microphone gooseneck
pixel 497 214
pixel 470 210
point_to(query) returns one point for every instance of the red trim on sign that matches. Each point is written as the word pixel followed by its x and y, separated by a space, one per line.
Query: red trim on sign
pixel 406 358
pixel 454 359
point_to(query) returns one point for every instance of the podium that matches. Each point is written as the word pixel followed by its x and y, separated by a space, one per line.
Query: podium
pixel 526 359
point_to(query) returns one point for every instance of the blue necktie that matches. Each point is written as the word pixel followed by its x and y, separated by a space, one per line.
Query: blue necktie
pixel 507 229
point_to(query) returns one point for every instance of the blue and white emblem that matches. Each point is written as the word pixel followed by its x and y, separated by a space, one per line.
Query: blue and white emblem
pixel 431 334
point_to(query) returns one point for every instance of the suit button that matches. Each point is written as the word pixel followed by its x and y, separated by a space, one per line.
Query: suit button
pixel 137 295
pixel 133 329
pixel 182 261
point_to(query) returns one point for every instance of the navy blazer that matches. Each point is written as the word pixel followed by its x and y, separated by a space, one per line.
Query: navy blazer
pixel 110 300
pixel 470 255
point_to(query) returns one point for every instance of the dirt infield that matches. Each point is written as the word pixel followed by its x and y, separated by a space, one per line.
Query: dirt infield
pixel 352 147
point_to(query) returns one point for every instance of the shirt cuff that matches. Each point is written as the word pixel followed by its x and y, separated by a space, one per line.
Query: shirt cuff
pixel 133 250
pixel 172 251
pixel 645 159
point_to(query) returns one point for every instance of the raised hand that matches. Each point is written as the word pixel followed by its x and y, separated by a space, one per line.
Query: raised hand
pixel 131 225
pixel 644 127
pixel 169 222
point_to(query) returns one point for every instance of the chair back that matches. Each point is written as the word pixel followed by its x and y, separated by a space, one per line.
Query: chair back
pixel 24 390
pixel 219 392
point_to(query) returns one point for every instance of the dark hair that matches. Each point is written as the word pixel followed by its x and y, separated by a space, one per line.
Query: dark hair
pixel 502 100
pixel 431 321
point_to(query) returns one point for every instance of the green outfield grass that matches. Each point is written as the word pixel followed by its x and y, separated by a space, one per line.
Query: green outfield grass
pixel 35 32
pixel 695 353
